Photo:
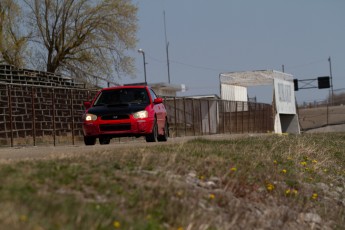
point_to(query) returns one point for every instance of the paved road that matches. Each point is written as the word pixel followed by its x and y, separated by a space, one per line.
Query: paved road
pixel 49 152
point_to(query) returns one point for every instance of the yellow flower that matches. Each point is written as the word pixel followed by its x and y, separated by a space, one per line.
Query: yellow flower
pixel 284 171
pixel 179 228
pixel 270 187
pixel 23 218
pixel 314 161
pixel 304 163
pixel 212 196
pixel 314 196
pixel 116 224
pixel 325 170
pixel 289 192
pixel 275 162
pixel 179 193
pixel 233 169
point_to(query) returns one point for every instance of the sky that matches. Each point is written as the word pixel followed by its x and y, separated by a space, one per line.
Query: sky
pixel 207 38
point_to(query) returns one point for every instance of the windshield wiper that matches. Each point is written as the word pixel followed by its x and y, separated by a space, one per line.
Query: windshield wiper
pixel 100 104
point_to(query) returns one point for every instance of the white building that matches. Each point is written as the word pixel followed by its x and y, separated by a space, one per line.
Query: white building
pixel 233 87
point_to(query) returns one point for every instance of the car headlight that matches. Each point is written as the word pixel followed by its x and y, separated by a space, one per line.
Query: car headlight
pixel 141 114
pixel 90 117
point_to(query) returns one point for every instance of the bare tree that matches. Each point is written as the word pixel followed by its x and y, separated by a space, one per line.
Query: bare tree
pixel 12 43
pixel 84 36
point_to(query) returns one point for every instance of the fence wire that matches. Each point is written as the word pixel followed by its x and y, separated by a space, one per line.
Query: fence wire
pixel 31 115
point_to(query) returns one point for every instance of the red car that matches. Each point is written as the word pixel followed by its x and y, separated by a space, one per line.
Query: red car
pixel 125 111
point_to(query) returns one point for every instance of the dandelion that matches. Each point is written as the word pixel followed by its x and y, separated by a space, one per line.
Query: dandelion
pixel 284 171
pixel 179 193
pixel 116 224
pixel 275 162
pixel 233 169
pixel 304 163
pixel 23 218
pixel 291 192
pixel 212 196
pixel 314 196
pixel 270 187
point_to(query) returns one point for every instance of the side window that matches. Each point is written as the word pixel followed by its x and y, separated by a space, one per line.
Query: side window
pixel 153 95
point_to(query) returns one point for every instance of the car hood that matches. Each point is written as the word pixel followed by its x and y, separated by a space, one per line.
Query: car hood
pixel 120 109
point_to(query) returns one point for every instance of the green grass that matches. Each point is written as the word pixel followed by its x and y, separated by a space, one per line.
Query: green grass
pixel 254 182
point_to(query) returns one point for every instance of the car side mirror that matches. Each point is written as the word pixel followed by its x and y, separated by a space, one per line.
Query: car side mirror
pixel 158 100
pixel 87 104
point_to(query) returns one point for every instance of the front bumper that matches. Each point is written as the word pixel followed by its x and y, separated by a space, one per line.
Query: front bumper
pixel 133 127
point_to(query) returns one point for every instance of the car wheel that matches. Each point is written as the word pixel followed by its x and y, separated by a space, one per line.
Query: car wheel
pixel 104 141
pixel 89 140
pixel 152 137
pixel 165 136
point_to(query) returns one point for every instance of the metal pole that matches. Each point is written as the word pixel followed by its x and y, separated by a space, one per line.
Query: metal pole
pixel 167 48
pixel 143 53
pixel 184 116
pixel 33 115
pixel 144 68
pixel 53 111
pixel 9 91
pixel 72 116
pixel 331 77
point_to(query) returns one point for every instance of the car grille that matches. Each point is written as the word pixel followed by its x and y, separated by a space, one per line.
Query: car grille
pixel 115 117
pixel 115 127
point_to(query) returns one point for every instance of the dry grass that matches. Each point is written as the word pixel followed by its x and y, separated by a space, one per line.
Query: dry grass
pixel 288 182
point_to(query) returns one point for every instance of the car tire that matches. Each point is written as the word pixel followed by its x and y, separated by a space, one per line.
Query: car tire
pixel 153 137
pixel 165 136
pixel 89 140
pixel 104 141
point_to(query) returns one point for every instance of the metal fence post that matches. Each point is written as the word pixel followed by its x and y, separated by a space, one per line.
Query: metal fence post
pixel 9 91
pixel 184 116
pixel 72 116
pixel 33 115
pixel 175 116
pixel 193 118
pixel 53 108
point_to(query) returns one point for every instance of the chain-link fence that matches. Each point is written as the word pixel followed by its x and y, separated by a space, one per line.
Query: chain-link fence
pixel 31 115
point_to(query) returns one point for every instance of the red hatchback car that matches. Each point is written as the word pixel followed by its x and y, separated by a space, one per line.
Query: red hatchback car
pixel 125 111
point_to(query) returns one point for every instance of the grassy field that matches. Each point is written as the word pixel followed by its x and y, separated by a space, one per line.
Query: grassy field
pixel 267 182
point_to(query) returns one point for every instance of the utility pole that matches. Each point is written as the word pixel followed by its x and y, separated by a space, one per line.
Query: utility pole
pixel 331 78
pixel 166 48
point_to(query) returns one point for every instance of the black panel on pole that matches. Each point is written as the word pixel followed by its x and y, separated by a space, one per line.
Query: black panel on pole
pixel 295 82
pixel 323 82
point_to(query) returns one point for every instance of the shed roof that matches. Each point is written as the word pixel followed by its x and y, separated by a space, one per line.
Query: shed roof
pixel 253 78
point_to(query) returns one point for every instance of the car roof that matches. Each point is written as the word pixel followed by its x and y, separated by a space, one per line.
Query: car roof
pixel 126 87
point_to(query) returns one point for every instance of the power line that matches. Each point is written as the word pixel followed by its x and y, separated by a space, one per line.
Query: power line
pixel 186 64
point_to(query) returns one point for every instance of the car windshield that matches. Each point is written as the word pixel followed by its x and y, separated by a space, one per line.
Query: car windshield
pixel 119 97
